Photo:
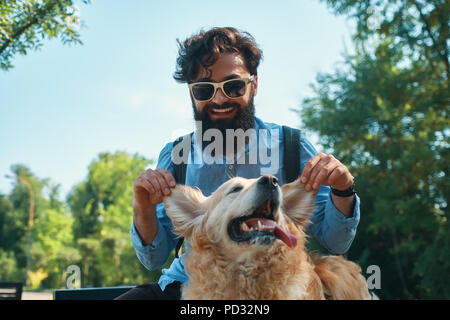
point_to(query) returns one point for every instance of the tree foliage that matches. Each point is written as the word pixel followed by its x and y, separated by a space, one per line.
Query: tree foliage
pixel 24 24
pixel 384 113
pixel 101 207
pixel 420 29
pixel 51 231
pixel 90 229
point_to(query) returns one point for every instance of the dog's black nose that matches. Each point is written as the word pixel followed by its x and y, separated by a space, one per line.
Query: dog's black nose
pixel 268 181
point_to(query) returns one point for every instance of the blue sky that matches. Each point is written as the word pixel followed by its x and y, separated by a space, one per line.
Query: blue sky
pixel 62 105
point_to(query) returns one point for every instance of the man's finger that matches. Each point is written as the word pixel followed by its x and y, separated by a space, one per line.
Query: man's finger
pixel 323 175
pixel 323 163
pixel 340 178
pixel 309 166
pixel 165 190
pixel 168 177
pixel 143 183
pixel 151 178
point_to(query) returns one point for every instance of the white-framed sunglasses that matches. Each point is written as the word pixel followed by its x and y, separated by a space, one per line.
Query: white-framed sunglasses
pixel 232 89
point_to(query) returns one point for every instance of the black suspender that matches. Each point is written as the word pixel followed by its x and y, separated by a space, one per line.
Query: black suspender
pixel 291 157
pixel 180 178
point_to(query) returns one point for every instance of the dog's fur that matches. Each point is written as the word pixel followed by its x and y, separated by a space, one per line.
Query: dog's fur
pixel 220 268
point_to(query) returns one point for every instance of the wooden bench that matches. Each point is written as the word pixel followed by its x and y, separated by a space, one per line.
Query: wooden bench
pixel 11 290
pixel 106 293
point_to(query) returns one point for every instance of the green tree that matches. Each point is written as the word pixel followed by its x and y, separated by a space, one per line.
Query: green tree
pixel 103 200
pixel 101 207
pixel 8 226
pixel 90 230
pixel 51 231
pixel 8 267
pixel 17 216
pixel 25 24
pixel 88 248
pixel 53 236
pixel 384 113
pixel 84 206
pixel 419 28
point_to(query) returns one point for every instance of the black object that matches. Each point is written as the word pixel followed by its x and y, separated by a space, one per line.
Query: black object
pixel 106 293
pixel 344 193
pixel 291 155
pixel 11 290
pixel 180 178
pixel 152 291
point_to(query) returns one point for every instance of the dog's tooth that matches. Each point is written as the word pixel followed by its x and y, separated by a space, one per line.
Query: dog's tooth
pixel 259 225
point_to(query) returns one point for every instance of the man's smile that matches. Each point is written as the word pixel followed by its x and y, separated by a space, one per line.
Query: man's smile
pixel 221 112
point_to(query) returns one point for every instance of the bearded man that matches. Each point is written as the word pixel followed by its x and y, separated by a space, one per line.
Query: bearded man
pixel 220 68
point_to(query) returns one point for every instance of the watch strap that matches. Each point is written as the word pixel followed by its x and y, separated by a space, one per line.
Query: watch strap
pixel 344 193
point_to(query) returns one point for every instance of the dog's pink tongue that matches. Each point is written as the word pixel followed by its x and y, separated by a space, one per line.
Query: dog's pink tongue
pixel 286 237
pixel 280 233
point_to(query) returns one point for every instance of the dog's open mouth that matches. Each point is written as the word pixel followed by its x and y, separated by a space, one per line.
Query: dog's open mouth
pixel 260 227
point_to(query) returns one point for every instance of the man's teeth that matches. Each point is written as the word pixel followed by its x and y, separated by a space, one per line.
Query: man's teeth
pixel 222 110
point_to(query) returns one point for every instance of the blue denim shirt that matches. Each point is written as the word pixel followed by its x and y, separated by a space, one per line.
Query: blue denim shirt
pixel 330 227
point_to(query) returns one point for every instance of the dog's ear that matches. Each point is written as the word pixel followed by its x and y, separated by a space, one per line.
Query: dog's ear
pixel 297 203
pixel 185 206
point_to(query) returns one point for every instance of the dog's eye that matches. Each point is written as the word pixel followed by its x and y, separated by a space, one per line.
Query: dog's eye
pixel 236 189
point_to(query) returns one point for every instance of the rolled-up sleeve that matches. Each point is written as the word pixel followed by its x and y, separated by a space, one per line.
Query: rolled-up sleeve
pixel 329 226
pixel 154 255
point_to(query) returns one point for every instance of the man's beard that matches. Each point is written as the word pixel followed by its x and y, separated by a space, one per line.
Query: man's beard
pixel 244 119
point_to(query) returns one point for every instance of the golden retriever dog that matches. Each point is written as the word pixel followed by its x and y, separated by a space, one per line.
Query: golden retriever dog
pixel 247 241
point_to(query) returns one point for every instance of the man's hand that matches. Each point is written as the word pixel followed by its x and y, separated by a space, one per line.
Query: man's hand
pixel 149 189
pixel 324 169
pixel 151 186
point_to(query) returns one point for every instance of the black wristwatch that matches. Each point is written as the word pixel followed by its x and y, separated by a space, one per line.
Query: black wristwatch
pixel 344 193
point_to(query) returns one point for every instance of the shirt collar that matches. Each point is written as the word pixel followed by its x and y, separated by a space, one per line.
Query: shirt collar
pixel 197 147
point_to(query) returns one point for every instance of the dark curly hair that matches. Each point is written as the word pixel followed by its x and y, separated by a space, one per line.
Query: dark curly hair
pixel 203 50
